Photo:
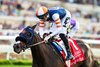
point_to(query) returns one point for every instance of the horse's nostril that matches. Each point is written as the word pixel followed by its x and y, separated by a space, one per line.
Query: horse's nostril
pixel 17 48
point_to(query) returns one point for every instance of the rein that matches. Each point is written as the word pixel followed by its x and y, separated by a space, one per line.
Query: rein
pixel 37 43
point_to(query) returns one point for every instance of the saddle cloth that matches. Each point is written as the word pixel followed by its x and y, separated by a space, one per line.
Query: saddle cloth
pixel 75 49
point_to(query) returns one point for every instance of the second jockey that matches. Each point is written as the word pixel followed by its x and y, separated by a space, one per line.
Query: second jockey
pixel 59 17
pixel 72 27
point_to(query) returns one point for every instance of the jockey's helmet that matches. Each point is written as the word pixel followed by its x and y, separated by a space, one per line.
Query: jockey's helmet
pixel 73 22
pixel 42 12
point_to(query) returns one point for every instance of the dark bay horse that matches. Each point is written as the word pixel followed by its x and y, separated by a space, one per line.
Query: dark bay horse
pixel 44 55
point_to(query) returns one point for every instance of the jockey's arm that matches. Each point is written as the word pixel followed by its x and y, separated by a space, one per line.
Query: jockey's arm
pixel 58 24
pixel 41 28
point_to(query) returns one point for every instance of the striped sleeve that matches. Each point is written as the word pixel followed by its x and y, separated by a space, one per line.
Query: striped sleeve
pixel 57 20
pixel 41 28
pixel 41 24
pixel 58 23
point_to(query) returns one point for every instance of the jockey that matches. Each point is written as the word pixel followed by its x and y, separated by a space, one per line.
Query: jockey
pixel 59 17
pixel 72 28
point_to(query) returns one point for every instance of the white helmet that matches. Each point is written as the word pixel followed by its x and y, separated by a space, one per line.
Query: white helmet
pixel 42 12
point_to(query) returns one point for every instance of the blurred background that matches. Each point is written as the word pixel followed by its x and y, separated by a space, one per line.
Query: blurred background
pixel 17 14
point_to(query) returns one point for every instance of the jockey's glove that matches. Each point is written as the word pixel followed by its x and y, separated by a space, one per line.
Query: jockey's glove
pixel 48 37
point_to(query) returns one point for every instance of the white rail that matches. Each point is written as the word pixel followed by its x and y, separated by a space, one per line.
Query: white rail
pixel 9 48
pixel 87 35
pixel 91 41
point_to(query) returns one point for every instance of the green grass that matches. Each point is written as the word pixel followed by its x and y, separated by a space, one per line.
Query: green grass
pixel 99 62
pixel 15 62
pixel 15 65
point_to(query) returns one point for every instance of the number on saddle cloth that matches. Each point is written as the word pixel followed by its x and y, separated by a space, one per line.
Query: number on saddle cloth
pixel 59 50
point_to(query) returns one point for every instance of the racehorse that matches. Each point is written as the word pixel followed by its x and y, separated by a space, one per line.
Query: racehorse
pixel 43 53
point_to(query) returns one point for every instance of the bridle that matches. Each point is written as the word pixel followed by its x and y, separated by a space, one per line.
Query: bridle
pixel 27 36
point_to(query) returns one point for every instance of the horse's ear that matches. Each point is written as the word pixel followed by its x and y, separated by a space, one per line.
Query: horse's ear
pixel 34 26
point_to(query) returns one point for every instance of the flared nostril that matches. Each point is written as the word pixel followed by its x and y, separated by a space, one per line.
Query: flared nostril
pixel 17 48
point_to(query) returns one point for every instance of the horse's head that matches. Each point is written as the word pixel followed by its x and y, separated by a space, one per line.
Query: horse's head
pixel 24 40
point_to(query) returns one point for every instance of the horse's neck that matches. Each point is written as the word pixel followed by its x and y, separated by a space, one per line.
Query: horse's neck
pixel 37 52
pixel 43 55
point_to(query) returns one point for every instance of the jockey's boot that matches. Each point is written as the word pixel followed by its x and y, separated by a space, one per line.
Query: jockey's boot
pixel 69 55
pixel 66 43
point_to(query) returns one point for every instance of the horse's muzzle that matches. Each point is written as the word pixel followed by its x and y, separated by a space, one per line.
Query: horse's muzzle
pixel 17 48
